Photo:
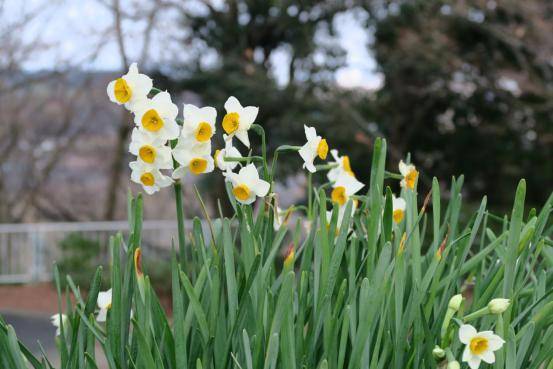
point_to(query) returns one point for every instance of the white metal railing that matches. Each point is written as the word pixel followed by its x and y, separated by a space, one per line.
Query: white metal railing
pixel 27 251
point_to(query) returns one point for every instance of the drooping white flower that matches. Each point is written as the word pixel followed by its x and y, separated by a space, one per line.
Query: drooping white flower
pixel 151 179
pixel 343 166
pixel 247 184
pixel 239 119
pixel 104 303
pixel 409 173
pixel 498 306
pixel 315 146
pixel 193 156
pixel 280 217
pixel 56 320
pixel 198 123
pixel 479 345
pixel 398 205
pixel 130 89
pixel 150 150
pixel 229 151
pixel 157 116
pixel 344 187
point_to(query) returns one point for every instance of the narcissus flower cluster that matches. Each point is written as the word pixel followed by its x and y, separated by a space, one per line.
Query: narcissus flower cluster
pixel 161 142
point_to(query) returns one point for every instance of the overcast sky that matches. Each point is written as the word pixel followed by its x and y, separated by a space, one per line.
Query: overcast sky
pixel 75 26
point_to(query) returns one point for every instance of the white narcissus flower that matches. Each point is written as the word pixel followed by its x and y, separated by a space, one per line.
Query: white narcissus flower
pixel 344 166
pixel 151 179
pixel 192 155
pixel 498 306
pixel 398 205
pixel 157 116
pixel 315 146
pixel 479 345
pixel 104 303
pixel 229 151
pixel 247 184
pixel 198 123
pixel 239 119
pixel 130 89
pixel 409 173
pixel 150 150
pixel 56 320
pixel 344 187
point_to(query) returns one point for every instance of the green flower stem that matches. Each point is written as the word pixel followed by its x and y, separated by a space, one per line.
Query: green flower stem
pixel 261 132
pixel 326 166
pixel 245 159
pixel 445 326
pixel 309 195
pixel 180 223
pixel 283 148
pixel 392 175
pixel 449 355
pixel 477 314
pixel 500 355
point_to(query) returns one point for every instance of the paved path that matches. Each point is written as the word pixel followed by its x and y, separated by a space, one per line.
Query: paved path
pixel 33 328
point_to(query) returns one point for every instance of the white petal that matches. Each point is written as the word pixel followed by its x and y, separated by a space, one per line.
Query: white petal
pixel 104 299
pixel 261 188
pixel 142 85
pixel 310 167
pixel 171 130
pixel 165 106
pixel 210 164
pixel 232 177
pixel 111 92
pixel 310 133
pixel 102 315
pixel 208 114
pixel 249 113
pixel 179 173
pixel 233 105
pixel 474 362
pixel 243 136
pixel 467 354
pixel 249 175
pixel 164 158
pixel 403 168
pixel 334 154
pixel 133 69
pixel 307 154
pixel 398 203
pixel 150 190
pixel 466 333
pixel 488 356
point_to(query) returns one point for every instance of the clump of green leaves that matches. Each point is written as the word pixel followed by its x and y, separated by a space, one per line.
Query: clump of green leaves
pixel 365 293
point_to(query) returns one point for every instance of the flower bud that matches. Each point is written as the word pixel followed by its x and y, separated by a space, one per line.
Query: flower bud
pixel 438 352
pixel 455 302
pixel 498 306
pixel 289 257
pixel 453 365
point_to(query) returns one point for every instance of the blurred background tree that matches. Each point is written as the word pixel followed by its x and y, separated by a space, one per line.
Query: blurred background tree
pixel 468 89
pixel 465 87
